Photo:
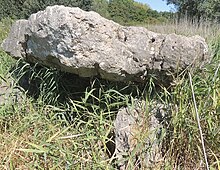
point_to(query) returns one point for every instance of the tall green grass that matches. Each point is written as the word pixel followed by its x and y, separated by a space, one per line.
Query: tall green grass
pixel 6 62
pixel 68 122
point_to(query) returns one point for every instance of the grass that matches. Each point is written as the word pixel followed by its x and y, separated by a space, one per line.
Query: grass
pixel 206 29
pixel 6 62
pixel 64 126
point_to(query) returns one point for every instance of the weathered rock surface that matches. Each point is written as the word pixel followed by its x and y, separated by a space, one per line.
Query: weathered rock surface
pixel 87 44
pixel 139 132
pixel 9 93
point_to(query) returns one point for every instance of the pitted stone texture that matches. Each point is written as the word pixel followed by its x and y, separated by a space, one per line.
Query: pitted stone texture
pixel 138 134
pixel 10 93
pixel 87 44
pixel 16 39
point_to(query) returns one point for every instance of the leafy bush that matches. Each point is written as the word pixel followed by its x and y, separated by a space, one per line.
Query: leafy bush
pixel 24 8
pixel 129 12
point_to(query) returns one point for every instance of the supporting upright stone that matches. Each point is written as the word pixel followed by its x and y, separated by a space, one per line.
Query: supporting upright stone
pixel 138 135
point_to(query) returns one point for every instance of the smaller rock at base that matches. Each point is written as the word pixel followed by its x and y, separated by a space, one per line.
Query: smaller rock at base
pixel 139 132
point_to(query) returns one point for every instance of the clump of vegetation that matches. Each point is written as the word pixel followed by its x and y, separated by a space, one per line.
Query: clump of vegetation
pixel 6 61
pixel 24 8
pixel 203 9
pixel 129 12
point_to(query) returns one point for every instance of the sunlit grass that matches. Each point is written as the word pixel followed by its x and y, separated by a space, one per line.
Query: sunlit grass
pixel 6 62
pixel 206 29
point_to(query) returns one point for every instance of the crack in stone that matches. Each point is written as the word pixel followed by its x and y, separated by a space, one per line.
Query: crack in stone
pixel 159 53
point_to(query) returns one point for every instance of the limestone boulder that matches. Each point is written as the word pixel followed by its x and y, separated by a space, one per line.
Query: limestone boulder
pixel 86 44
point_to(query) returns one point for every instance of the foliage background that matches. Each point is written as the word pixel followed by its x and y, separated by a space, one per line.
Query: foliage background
pixel 126 12
pixel 198 9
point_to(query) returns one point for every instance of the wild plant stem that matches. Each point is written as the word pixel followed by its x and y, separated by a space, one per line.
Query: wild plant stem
pixel 216 73
pixel 198 122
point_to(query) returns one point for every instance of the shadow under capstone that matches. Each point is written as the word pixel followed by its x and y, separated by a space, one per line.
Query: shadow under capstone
pixel 34 79
pixel 38 81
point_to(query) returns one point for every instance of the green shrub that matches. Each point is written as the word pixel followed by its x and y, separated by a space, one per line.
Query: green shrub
pixel 24 8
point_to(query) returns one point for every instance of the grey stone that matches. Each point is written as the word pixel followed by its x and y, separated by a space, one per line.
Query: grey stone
pixel 86 44
pixel 140 131
pixel 9 93
pixel 14 44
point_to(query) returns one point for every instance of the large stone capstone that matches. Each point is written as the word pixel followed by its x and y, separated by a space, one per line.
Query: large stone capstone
pixel 87 44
